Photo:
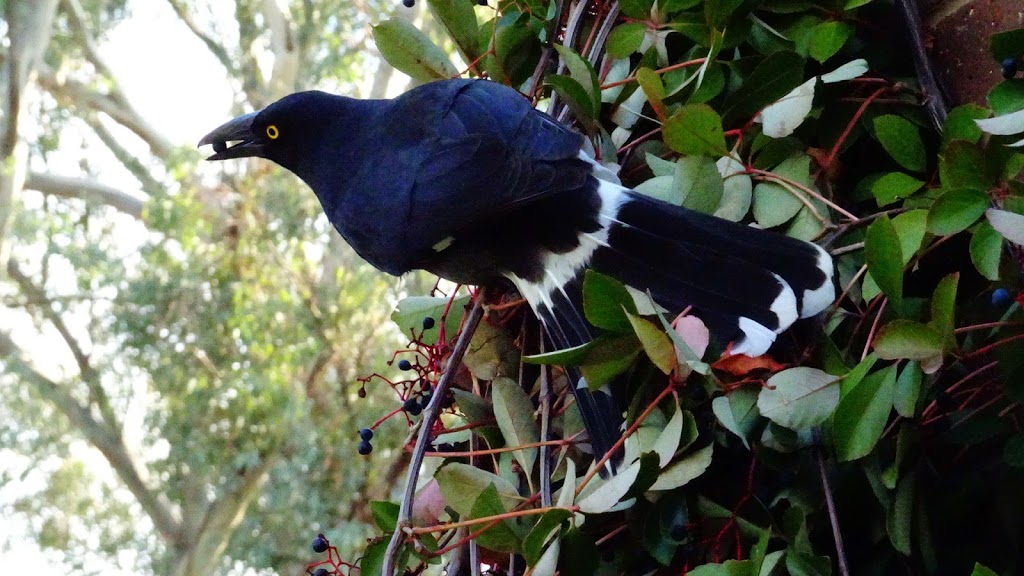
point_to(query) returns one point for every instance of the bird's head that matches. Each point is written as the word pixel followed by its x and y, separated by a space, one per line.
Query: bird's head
pixel 287 132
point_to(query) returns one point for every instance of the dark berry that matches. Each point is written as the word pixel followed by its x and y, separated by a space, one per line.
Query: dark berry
pixel 426 388
pixel 409 3
pixel 219 147
pixel 366 434
pixel 361 393
pixel 404 365
pixel 428 323
pixel 410 404
pixel 448 400
pixel 482 2
pixel 1000 297
pixel 425 398
pixel 365 448
pixel 678 532
pixel 1010 67
pixel 320 544
pixel 321 572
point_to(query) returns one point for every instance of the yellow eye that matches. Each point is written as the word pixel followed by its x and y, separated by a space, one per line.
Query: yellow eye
pixel 272 132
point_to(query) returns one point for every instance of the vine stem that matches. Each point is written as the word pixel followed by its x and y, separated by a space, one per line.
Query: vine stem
pixel 426 426
pixel 490 519
pixel 844 570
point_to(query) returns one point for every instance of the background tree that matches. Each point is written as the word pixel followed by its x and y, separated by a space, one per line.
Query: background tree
pixel 201 331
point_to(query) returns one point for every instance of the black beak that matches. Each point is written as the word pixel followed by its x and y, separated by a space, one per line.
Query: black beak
pixel 239 130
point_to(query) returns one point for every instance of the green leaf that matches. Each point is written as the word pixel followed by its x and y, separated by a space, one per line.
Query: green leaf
pixel 902 140
pixel 910 227
pixel 894 186
pixel 516 50
pixel 411 311
pixel 574 94
pixel 533 544
pixel 986 250
pixel 501 537
pixel 737 191
pixel 655 342
pixel 772 79
pixel 637 9
pixel 625 39
pixel 385 515
pixel 956 210
pixel 609 491
pixel 885 258
pixel 860 418
pixel 580 70
pixel 738 412
pixel 372 562
pixel 799 398
pixel 611 358
pixel 718 12
pixel 907 339
pixel 700 182
pixel 1013 451
pixel 827 39
pixel 908 389
pixel 963 165
pixel 513 411
pixel 960 124
pixel 685 470
pixel 981 570
pixel 695 129
pixel 1009 44
pixel 898 521
pixel 727 568
pixel 1007 97
pixel 944 309
pixel 773 203
pixel 461 484
pixel 409 50
pixel 857 374
pixel 606 302
pixel 668 440
pixel 459 19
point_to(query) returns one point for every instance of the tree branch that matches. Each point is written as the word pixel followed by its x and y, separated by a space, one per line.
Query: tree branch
pixel 99 435
pixel 89 190
pixel 150 185
pixel 75 93
pixel 78 22
pixel 430 414
pixel 222 519
pixel 215 48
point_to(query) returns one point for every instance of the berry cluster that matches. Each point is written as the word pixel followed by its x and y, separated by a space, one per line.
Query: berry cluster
pixel 1010 67
pixel 414 390
pixel 333 565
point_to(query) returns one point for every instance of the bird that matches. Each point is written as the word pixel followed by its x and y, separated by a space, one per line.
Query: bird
pixel 465 179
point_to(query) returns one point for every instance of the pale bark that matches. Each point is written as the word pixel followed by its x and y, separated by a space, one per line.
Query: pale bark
pixel 29 24
pixel 89 190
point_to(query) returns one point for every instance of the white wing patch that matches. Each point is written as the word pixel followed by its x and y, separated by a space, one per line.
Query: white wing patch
pixel 560 269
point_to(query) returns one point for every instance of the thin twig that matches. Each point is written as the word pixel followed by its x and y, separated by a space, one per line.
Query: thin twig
pixel 844 570
pixel 426 426
pixel 545 428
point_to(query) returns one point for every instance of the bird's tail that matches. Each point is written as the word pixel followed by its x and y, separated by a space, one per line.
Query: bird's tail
pixel 746 284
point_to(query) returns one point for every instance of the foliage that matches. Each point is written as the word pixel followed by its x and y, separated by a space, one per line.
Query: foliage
pixel 903 399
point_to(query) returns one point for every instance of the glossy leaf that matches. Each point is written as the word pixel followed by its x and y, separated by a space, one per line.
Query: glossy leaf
pixel 411 311
pixel 885 258
pixel 695 129
pixel 861 416
pixel 956 210
pixel 772 79
pixel 894 186
pixel 828 38
pixel 606 302
pixel 656 343
pixel 1007 223
pixel 461 484
pixel 625 39
pixel 540 534
pixel 986 250
pixel 701 184
pixel 501 537
pixel 686 469
pixel 799 398
pixel 459 20
pixel 907 339
pixel 609 492
pixel 513 411
pixel 902 140
pixel 409 50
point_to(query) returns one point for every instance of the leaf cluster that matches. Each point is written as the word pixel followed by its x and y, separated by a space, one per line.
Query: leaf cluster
pixel 904 398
